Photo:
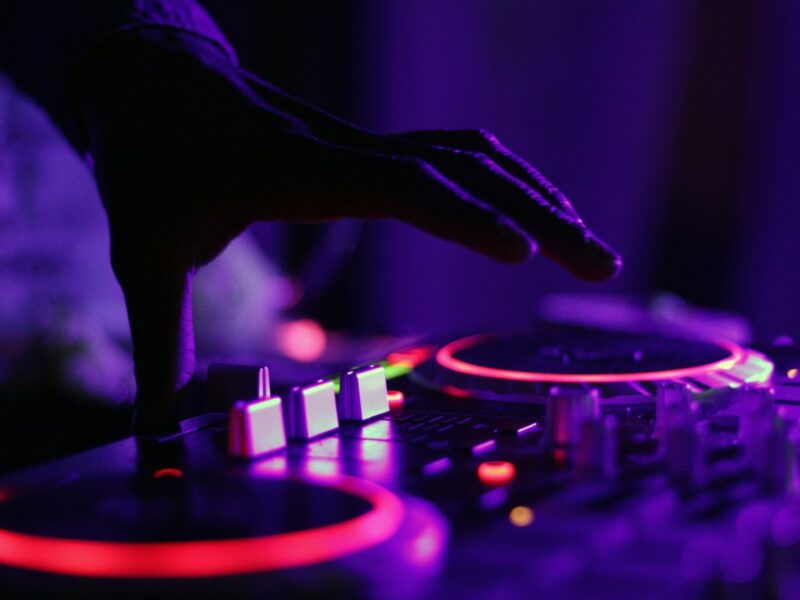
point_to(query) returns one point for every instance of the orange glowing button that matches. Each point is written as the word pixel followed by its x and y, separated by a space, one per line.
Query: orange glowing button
pixel 396 399
pixel 496 472
pixel 521 516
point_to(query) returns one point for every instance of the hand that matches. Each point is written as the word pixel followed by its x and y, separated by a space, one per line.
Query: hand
pixel 188 150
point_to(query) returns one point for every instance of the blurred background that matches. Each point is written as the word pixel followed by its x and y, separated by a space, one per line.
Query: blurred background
pixel 672 126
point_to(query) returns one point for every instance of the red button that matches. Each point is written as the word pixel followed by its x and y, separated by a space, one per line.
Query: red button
pixel 496 472
pixel 168 472
pixel 396 399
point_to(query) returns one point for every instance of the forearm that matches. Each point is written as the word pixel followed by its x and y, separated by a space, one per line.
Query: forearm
pixel 44 42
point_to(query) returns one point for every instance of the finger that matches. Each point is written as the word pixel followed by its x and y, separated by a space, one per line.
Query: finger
pixel 341 182
pixel 339 132
pixel 433 203
pixel 482 141
pixel 560 236
pixel 157 294
pixel 342 133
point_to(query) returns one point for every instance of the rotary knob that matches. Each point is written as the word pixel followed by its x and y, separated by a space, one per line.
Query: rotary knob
pixel 682 448
pixel 568 410
pixel 764 435
pixel 596 452
pixel 674 398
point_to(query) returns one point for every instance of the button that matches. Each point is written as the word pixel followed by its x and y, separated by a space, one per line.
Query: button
pixel 363 394
pixel 521 516
pixel 168 472
pixel 311 411
pixel 256 427
pixel 515 427
pixel 437 466
pixel 396 399
pixel 229 383
pixel 496 472
pixel 481 447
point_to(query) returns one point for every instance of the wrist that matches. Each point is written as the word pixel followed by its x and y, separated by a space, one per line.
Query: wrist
pixel 131 64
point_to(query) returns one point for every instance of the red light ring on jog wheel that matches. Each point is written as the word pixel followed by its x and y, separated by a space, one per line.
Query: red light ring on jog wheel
pixel 446 358
pixel 212 558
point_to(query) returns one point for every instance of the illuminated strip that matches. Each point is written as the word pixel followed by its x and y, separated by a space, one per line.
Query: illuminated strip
pixel 413 357
pixel 398 363
pixel 445 357
pixel 395 370
pixel 213 558
pixel 392 371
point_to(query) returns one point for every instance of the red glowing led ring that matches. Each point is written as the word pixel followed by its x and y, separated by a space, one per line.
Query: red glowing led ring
pixel 445 357
pixel 212 558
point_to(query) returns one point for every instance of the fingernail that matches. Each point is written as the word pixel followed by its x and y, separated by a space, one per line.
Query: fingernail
pixel 517 245
pixel 607 262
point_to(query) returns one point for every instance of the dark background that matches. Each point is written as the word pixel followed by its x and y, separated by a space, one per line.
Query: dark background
pixel 671 125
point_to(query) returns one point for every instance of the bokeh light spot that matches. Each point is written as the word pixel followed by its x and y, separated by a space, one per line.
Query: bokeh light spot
pixel 303 340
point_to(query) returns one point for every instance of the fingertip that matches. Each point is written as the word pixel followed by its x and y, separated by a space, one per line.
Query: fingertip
pixel 616 266
pixel 514 247
pixel 583 254
pixel 599 262
pixel 604 271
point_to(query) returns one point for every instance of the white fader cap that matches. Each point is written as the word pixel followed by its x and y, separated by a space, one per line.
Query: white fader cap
pixel 363 394
pixel 256 427
pixel 311 410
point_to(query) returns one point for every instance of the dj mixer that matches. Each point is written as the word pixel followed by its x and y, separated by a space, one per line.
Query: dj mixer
pixel 562 461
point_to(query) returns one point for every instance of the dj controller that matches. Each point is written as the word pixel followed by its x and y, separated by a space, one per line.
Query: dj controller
pixel 560 461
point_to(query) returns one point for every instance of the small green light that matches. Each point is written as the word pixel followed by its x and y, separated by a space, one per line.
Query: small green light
pixel 392 372
pixel 396 370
